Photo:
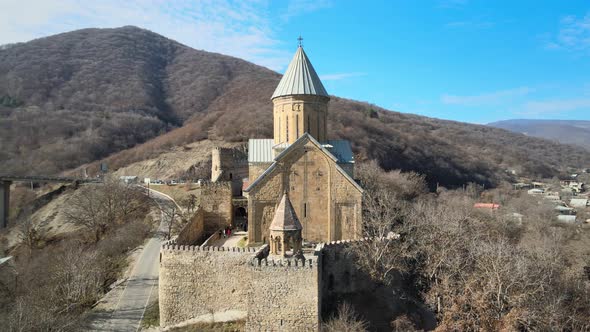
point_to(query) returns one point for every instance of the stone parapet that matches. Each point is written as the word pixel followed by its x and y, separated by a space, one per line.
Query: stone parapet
pixel 196 248
pixel 295 263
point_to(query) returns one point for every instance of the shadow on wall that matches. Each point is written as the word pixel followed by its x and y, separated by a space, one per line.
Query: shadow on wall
pixel 374 302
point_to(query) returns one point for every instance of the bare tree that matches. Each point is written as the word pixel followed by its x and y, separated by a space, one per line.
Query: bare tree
pixel 97 207
pixel 385 204
pixel 173 217
pixel 345 320
pixel 30 233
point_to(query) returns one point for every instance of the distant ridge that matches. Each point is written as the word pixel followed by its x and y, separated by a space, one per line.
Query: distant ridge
pixel 127 94
pixel 575 132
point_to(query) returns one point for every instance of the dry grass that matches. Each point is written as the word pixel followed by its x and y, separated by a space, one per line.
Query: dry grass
pixel 178 192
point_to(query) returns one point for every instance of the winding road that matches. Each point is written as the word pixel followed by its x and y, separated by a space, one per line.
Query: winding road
pixel 141 286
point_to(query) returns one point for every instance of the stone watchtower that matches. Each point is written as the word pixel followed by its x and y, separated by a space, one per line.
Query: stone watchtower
pixel 300 103
pixel 285 230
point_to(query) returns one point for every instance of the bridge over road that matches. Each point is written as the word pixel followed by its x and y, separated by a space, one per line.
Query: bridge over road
pixel 7 180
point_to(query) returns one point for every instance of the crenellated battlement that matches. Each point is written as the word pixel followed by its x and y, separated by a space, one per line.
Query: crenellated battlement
pixel 224 150
pixel 236 154
pixel 215 184
pixel 284 262
pixel 389 236
pixel 342 242
pixel 172 246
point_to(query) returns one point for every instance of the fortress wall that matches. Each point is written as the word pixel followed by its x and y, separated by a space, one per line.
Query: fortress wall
pixel 283 297
pixel 276 295
pixel 340 273
pixel 215 200
pixel 342 281
pixel 230 164
pixel 199 281
pixel 194 231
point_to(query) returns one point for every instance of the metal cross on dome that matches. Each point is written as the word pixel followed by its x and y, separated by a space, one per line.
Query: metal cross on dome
pixel 300 41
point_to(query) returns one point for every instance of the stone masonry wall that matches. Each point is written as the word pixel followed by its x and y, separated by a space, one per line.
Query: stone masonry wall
pixel 194 231
pixel 255 169
pixel 284 297
pixel 273 295
pixel 342 281
pixel 199 281
pixel 216 201
pixel 230 164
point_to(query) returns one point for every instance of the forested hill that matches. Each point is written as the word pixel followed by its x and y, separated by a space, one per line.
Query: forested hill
pixel 564 131
pixel 130 94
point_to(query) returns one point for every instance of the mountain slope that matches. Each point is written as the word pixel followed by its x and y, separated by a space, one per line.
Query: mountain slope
pixel 79 96
pixel 126 95
pixel 564 131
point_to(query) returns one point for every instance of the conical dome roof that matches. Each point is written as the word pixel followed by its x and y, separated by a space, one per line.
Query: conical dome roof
pixel 285 218
pixel 300 78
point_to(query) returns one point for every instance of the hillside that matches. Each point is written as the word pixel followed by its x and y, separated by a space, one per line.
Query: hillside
pixel 80 96
pixel 563 131
pixel 128 95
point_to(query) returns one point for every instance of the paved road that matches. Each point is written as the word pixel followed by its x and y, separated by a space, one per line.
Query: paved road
pixel 142 285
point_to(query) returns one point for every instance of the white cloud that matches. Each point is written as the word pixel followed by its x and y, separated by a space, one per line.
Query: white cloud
pixel 573 34
pixel 555 106
pixel 340 76
pixel 239 28
pixel 495 97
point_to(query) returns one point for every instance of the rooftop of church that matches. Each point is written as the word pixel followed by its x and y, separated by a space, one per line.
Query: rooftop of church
pixel 300 78
pixel 260 150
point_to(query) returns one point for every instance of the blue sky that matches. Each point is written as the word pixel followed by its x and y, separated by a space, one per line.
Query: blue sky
pixel 472 61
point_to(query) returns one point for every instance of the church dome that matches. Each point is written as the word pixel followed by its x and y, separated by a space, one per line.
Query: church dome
pixel 300 78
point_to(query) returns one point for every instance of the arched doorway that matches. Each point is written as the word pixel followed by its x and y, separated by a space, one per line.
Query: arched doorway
pixel 241 218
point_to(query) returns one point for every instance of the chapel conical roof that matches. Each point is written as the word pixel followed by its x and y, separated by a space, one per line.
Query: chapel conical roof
pixel 300 78
pixel 285 218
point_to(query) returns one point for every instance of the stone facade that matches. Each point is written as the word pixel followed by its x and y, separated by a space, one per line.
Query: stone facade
pixel 229 165
pixel 215 200
pixel 284 297
pixel 327 203
pixel 256 169
pixel 194 231
pixel 299 114
pixel 271 295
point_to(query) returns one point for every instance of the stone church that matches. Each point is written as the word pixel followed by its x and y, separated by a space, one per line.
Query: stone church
pixel 296 195
pixel 315 174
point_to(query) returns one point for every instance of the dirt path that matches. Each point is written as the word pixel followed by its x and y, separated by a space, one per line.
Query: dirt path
pixel 231 241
